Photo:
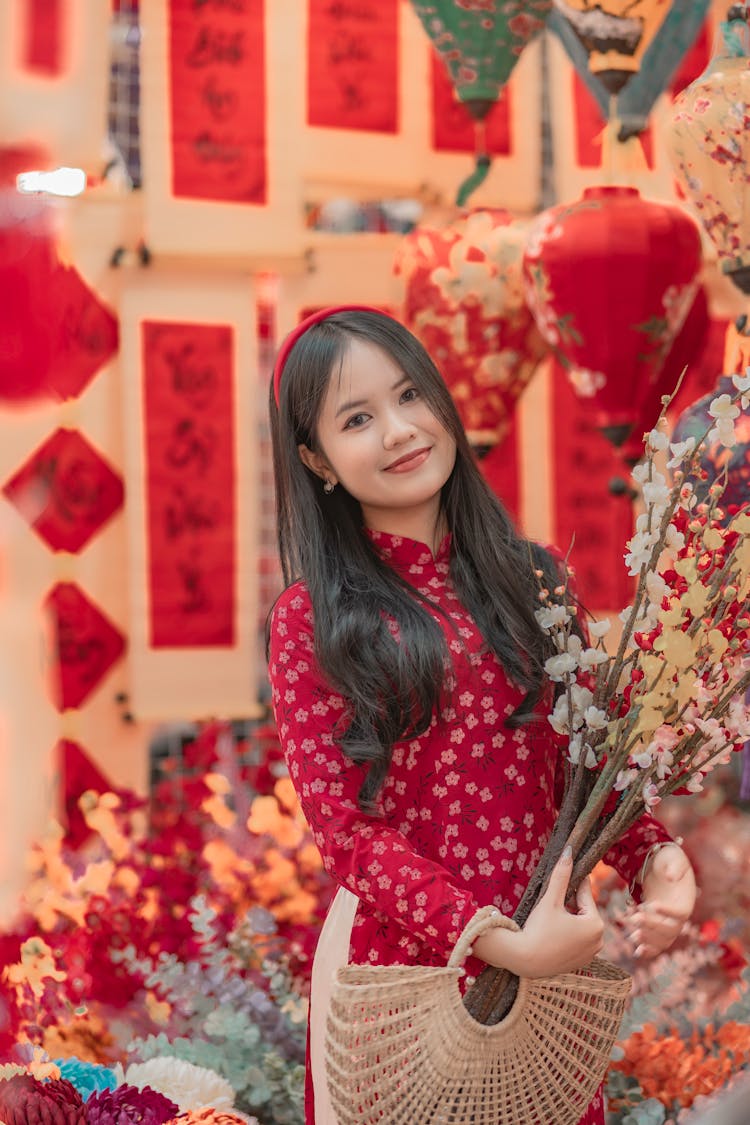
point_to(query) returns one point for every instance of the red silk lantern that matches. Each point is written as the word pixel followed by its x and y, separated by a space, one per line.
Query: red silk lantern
pixel 610 279
pixel 463 298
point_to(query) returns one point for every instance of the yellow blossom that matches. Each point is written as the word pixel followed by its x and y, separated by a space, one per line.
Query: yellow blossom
pixel 713 539
pixel 718 642
pixel 678 647
pixel 219 811
pixel 98 812
pixel 159 1010
pixel 267 818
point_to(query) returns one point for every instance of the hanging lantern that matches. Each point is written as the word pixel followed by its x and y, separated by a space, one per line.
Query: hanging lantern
pixel 709 141
pixel 669 47
pixel 480 43
pixel 609 280
pixel 463 298
pixel 615 34
pixel 695 358
pixel 717 458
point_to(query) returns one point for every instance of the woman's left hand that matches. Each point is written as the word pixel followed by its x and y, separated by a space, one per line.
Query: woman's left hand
pixel 669 893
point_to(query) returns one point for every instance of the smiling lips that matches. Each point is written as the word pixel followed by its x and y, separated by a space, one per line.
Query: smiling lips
pixel 409 461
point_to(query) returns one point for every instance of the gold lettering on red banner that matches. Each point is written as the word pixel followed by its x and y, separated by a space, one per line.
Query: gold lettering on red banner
pixel 190 485
pixel 352 64
pixel 218 99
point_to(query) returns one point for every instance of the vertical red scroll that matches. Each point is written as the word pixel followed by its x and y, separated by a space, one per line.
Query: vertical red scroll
pixel 188 396
pixel 218 100
pixel 352 65
pixel 43 37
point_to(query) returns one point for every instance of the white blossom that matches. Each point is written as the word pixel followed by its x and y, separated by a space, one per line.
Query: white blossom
pixel 674 539
pixel 723 409
pixel 742 383
pixel 551 616
pixel 595 718
pixel 600 628
pixel 658 440
pixel 656 492
pixel 558 668
pixel 591 658
pixel 641 472
pixel 723 432
pixel 680 450
pixel 624 779
pixel 576 747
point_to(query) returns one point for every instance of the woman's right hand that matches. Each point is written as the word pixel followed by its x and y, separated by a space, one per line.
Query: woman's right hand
pixel 553 940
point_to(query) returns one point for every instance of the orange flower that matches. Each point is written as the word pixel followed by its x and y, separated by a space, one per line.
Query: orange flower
pixel 209 1117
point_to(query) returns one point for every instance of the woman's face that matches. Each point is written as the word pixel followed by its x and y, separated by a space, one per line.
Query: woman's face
pixel 378 438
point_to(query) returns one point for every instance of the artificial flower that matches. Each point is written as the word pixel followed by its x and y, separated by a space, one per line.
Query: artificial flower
pixel 87 1077
pixel 24 1100
pixel 128 1105
pixel 192 1087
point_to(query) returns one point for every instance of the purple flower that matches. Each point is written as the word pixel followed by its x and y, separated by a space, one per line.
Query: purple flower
pixel 127 1105
pixel 24 1100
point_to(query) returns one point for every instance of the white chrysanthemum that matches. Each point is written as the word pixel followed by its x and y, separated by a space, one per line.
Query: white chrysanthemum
pixel 191 1087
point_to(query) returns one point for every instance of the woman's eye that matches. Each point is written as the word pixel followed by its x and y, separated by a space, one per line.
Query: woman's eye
pixel 355 420
pixel 409 394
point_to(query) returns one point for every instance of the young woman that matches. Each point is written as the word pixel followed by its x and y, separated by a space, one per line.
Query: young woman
pixel 407 669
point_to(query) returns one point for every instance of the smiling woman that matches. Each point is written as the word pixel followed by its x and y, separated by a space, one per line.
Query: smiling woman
pixel 406 661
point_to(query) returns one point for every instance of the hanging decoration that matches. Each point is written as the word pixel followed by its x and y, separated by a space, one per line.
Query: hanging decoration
pixel 55 333
pixel 352 65
pixel 66 491
pixel 463 298
pixel 709 142
pixel 480 44
pixel 218 101
pixel 610 279
pixel 693 361
pixel 190 482
pixel 86 645
pixel 638 78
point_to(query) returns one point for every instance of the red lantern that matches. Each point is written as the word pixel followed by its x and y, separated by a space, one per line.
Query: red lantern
pixel 463 298
pixel 610 279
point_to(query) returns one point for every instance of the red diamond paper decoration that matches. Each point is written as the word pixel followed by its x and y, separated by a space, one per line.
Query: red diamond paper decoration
pixel 77 774
pixel 87 336
pixel 66 491
pixel 86 645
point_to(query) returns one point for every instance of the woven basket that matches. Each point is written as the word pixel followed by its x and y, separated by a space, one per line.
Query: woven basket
pixel 401 1048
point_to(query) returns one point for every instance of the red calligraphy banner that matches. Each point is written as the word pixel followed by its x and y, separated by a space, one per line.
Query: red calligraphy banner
pixel 218 100
pixel 352 65
pixel 188 396
pixel 583 463
pixel 453 129
pixel 590 125
pixel 43 37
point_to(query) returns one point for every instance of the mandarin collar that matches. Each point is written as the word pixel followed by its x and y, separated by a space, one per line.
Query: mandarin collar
pixel 401 551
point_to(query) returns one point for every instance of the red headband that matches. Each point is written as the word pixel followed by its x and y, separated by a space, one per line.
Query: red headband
pixel 302 327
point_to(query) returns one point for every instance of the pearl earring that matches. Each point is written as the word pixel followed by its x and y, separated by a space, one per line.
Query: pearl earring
pixel 328 487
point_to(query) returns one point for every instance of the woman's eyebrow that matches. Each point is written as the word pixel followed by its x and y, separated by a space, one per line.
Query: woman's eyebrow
pixel 355 404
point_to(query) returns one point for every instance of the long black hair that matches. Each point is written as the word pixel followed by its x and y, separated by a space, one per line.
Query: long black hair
pixel 393 689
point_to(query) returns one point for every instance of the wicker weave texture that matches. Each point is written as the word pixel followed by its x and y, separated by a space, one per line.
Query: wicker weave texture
pixel 401 1049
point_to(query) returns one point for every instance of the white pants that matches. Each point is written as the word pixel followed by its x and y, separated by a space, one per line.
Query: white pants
pixel 331 953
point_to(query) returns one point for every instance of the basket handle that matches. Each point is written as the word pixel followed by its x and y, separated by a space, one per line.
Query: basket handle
pixel 488 918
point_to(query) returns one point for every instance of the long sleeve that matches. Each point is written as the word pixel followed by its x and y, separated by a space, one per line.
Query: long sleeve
pixel 367 856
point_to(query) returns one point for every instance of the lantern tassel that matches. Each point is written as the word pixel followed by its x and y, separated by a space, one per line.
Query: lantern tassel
pixel 472 182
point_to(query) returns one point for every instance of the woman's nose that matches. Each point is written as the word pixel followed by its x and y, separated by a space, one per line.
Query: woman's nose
pixel 397 430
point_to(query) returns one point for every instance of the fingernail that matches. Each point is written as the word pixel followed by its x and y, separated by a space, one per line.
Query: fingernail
pixel 568 852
